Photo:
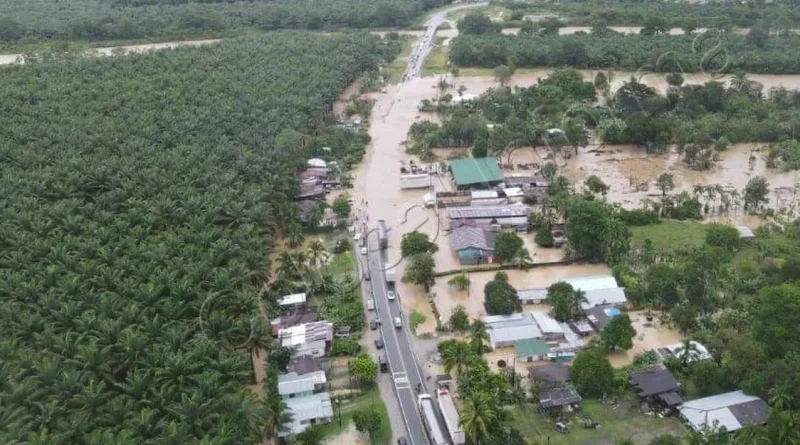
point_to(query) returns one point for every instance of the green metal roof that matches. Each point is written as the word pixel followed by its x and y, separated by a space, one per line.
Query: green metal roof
pixel 530 347
pixel 469 171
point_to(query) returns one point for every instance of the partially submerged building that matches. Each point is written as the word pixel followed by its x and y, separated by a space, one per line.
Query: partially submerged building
pixel 732 411
pixel 472 244
pixel 599 290
pixel 479 173
pixel 600 316
pixel 513 215
pixel 697 351
pixel 531 350
pixel 506 330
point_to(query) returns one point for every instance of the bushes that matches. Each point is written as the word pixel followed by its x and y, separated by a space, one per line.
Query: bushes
pixel 544 238
pixel 345 346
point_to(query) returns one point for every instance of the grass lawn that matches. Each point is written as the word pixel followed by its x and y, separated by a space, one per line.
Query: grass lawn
pixel 342 263
pixel 670 234
pixel 437 60
pixel 394 71
pixel 350 406
pixel 623 422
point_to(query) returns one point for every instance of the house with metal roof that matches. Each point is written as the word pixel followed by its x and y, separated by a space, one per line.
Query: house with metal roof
pixel 531 349
pixel 534 295
pixel 307 339
pixel 657 386
pixel 599 290
pixel 307 411
pixel 293 385
pixel 511 215
pixel 550 373
pixel 549 326
pixel 473 245
pixel 558 398
pixel 476 173
pixel 697 351
pixel 745 232
pixel 305 364
pixel 732 411
pixel 506 330
pixel 599 316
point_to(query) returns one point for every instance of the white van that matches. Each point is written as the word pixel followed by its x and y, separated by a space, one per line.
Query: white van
pixel 398 322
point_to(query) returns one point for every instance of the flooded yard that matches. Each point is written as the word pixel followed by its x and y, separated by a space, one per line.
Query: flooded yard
pixel 649 335
pixel 8 59
pixel 448 297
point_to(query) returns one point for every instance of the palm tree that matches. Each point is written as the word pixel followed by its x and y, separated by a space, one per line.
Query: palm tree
pixel 740 82
pixel 459 281
pixel 690 351
pixel 455 356
pixel 522 258
pixel 295 234
pixel 478 416
pixel 779 398
pixel 316 253
pixel 478 337
pixel 578 298
pixel 752 435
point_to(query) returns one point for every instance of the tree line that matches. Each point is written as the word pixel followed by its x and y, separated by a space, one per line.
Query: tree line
pixel 673 15
pixel 142 197
pixel 712 51
pixel 30 21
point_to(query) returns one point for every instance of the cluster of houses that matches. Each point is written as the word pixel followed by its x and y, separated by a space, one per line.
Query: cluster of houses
pixel 537 336
pixel 303 387
pixel 316 181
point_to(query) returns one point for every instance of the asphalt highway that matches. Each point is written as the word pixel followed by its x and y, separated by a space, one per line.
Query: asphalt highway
pixel 406 375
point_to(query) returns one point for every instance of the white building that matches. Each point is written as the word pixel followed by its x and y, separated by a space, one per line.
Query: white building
pixel 697 353
pixel 505 330
pixel 292 385
pixel 599 289
pixel 314 336
pixel 732 410
pixel 307 411
pixel 550 328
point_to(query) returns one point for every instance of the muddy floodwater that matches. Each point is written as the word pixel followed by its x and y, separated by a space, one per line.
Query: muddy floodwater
pixel 569 30
pixel 8 59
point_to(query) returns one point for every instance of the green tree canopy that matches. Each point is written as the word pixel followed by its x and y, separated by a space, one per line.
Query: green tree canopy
pixel 507 245
pixel 594 232
pixel 363 368
pixel 618 333
pixel 500 298
pixel 592 373
pixel 414 243
pixel 341 206
pixel 459 320
pixel 560 298
pixel 421 271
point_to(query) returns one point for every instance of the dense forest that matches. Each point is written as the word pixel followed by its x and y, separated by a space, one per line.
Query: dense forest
pixel 701 120
pixel 25 21
pixel 712 51
pixel 671 14
pixel 141 196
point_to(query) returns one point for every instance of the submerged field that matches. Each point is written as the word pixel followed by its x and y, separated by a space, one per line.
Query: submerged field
pixel 142 195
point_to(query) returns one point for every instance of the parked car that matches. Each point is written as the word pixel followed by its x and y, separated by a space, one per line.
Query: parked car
pixel 383 363
pixel 373 324
pixel 379 343
pixel 402 441
pixel 363 251
pixel 390 295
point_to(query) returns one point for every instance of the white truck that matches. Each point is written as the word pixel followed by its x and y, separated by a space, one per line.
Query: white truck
pixel 371 304
pixel 435 434
pixel 391 276
pixel 421 181
pixel 450 414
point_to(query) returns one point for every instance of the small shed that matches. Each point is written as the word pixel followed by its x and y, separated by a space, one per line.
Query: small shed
pixel 745 232
pixel 531 349
pixel 558 398
pixel 292 300
pixel 473 245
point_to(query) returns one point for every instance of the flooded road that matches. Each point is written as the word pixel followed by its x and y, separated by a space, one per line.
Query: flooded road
pixel 9 59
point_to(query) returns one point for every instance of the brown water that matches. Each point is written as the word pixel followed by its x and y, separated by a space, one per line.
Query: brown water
pixel 569 30
pixel 8 59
